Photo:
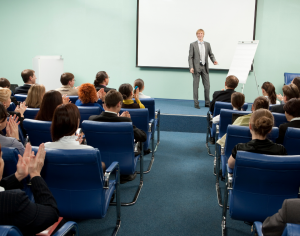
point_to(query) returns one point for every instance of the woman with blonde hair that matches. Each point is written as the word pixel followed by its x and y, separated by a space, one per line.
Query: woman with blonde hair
pixel 35 96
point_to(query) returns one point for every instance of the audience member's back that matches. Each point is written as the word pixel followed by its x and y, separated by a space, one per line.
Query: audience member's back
pixel 67 80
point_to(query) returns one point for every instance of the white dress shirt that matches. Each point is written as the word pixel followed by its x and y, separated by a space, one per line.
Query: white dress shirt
pixel 203 55
pixel 67 142
pixel 141 95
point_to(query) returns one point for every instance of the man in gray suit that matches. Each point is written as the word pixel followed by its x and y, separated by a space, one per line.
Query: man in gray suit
pixel 198 64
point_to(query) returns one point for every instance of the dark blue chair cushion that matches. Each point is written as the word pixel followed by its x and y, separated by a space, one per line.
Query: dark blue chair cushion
pixel 292 141
pixel 8 230
pixel 38 131
pixel 73 99
pixel 31 113
pixel 86 112
pixel 279 119
pixel 20 97
pixel 288 77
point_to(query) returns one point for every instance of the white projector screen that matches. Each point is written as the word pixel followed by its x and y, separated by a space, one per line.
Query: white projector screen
pixel 165 29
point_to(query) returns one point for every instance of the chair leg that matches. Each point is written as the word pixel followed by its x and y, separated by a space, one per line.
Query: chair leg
pixel 158 134
pixel 224 211
pixel 118 224
pixel 219 197
pixel 215 165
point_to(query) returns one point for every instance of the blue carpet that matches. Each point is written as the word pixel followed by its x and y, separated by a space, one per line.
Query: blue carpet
pixel 178 196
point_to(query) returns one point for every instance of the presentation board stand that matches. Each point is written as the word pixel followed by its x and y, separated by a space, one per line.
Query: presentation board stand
pixel 242 61
pixel 48 70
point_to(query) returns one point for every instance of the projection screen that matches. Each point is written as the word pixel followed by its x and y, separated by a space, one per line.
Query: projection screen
pixel 165 29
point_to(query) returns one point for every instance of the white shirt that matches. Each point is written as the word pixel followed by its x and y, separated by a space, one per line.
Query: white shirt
pixel 203 57
pixel 277 102
pixel 66 142
pixel 216 119
pixel 141 95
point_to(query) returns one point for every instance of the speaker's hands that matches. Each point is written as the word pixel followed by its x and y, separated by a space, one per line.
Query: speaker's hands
pixel 216 63
pixel 192 70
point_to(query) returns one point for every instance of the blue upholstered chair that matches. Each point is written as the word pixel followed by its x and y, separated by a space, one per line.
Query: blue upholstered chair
pixel 115 140
pixel 20 97
pixel 86 112
pixel 288 77
pixel 31 113
pixel 11 107
pixel 290 229
pixel 73 99
pixel 140 118
pixel 235 134
pixel 76 180
pixel 259 185
pixel 38 131
pixel 70 226
pixel 279 119
pixel 292 141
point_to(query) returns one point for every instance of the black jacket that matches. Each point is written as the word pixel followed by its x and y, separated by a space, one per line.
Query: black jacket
pixel 106 89
pixel 220 96
pixel 283 128
pixel 278 108
pixel 139 135
pixel 22 89
pixel 16 208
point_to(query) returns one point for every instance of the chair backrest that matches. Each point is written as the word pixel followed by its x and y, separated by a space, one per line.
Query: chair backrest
pixel 225 105
pixel 288 77
pixel 10 158
pixel 11 107
pixel 75 178
pixel 226 119
pixel 8 230
pixel 20 97
pixel 292 141
pixel 73 99
pixel 31 113
pixel 149 103
pixel 86 112
pixel 279 119
pixel 114 140
pixel 241 134
pixel 261 183
pixel 291 230
pixel 38 131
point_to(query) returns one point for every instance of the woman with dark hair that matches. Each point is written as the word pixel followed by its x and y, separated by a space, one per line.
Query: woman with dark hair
pixel 261 123
pixel 127 92
pixel 12 138
pixel 101 81
pixel 50 101
pixel 268 90
pixel 292 113
pixel 296 81
pixel 88 96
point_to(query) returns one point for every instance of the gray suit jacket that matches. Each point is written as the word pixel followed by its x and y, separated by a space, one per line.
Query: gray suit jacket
pixel 194 56
pixel 289 213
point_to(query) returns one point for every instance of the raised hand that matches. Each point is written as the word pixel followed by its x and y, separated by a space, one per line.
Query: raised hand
pixel 23 163
pixel 37 162
pixel 65 99
pixel 12 129
pixel 279 97
pixel 80 138
pixel 21 108
pixel 101 94
pixel 125 114
pixel 136 95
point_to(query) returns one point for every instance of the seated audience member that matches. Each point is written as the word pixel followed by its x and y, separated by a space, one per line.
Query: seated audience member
pixel 261 123
pixel 88 96
pixel 289 213
pixel 295 81
pixel 12 138
pixel 259 102
pixel 127 92
pixel 289 91
pixel 113 104
pixel 29 79
pixel 101 81
pixel 16 208
pixel 231 83
pixel 50 101
pixel 35 96
pixel 140 84
pixel 67 80
pixel 237 102
pixel 4 83
pixel 268 90
pixel 292 113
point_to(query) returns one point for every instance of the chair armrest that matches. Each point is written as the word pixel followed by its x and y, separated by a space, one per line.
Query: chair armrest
pixel 291 229
pixel 157 113
pixel 70 225
pixel 151 122
pixel 113 166
pixel 257 228
pixel 230 177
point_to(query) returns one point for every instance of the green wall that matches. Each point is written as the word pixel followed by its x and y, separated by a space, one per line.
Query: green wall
pixel 94 35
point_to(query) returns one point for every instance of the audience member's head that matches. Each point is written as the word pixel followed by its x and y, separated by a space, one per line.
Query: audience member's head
pixel 28 76
pixel 35 96
pixel 4 83
pixel 65 122
pixel 268 89
pixel 87 93
pixel 261 122
pixel 140 84
pixel 260 102
pixel 231 82
pixel 237 100
pixel 290 91
pixel 101 78
pixel 67 79
pixel 5 94
pixel 50 101
pixel 113 100
pixel 292 108
pixel 126 91
pixel 296 81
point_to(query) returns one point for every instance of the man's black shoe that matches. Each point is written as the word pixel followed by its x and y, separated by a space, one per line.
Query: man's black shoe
pixel 197 106
pixel 126 178
pixel 146 152
pixel 212 140
pixel 206 105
